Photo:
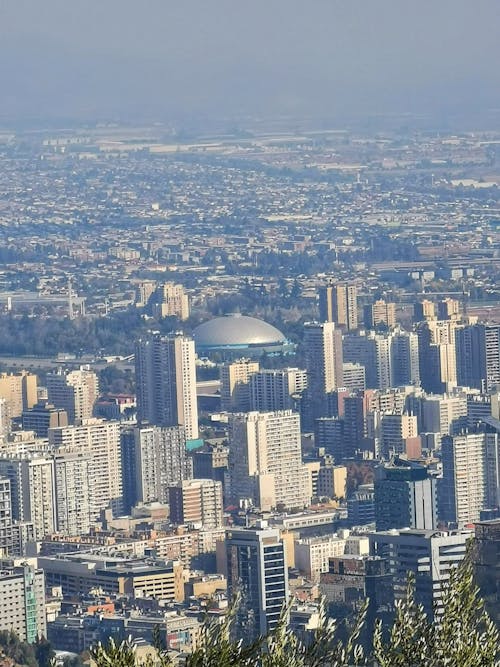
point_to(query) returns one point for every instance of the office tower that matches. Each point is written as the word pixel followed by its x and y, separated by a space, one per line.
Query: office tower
pixel 448 309
pixel 4 419
pixel 265 462
pixel 101 441
pixel 361 506
pixel 272 390
pixel 160 461
pixel 171 300
pixel 486 559
pixel 256 568
pixel 399 435
pixel 380 313
pixel 478 408
pixel 437 355
pixel 445 414
pixel 354 376
pixel 470 482
pixel 478 356
pixel 405 496
pixel 339 303
pixel 75 392
pixel 424 310
pixel 373 351
pixel 428 554
pixel 5 517
pixel 72 492
pixel 329 435
pixel 166 382
pixel 22 611
pixel 19 390
pixel 405 367
pixel 197 501
pixel 43 416
pixel 235 387
pixel 323 355
pixel 32 492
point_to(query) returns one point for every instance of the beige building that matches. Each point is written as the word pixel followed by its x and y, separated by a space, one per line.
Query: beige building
pixel 235 387
pixel 172 301
pixel 75 392
pixel 197 501
pixel 380 312
pixel 19 391
pixel 339 303
pixel 396 430
pixel 324 365
pixel 265 460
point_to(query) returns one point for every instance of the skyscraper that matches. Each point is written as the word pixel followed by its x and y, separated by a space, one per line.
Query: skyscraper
pixel 171 301
pixel 19 390
pixel 405 368
pixel 22 592
pixel 437 355
pixel 265 462
pixel 166 382
pixel 339 303
pixel 197 501
pixel 380 313
pixel 405 497
pixel 256 568
pixel 324 365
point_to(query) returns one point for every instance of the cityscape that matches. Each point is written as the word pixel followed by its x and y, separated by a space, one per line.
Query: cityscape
pixel 250 384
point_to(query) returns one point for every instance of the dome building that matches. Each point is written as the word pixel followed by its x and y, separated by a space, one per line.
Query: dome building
pixel 238 335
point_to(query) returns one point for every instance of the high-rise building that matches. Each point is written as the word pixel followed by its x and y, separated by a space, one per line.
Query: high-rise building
pixel 424 310
pixel 160 461
pixel 361 506
pixel 437 355
pixel 171 301
pixel 470 479
pixel 373 351
pixel 478 356
pixel 19 391
pixel 486 558
pixel 22 591
pixel 5 517
pixel 429 554
pixel 380 313
pixel 235 384
pixel 101 441
pixel 399 435
pixel 329 435
pixel 72 492
pixel 166 382
pixel 75 392
pixel 197 501
pixel 448 309
pixel 256 568
pixel 445 414
pixel 43 416
pixel 405 497
pixel 32 492
pixel 324 364
pixel 339 303
pixel 354 376
pixel 265 461
pixel 279 389
pixel 405 367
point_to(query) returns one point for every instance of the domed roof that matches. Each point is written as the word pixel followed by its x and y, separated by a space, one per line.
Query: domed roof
pixel 237 330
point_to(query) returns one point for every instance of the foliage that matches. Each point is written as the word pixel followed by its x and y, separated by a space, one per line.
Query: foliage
pixel 462 635
pixel 21 653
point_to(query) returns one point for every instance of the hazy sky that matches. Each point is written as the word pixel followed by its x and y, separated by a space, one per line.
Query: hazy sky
pixel 166 58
